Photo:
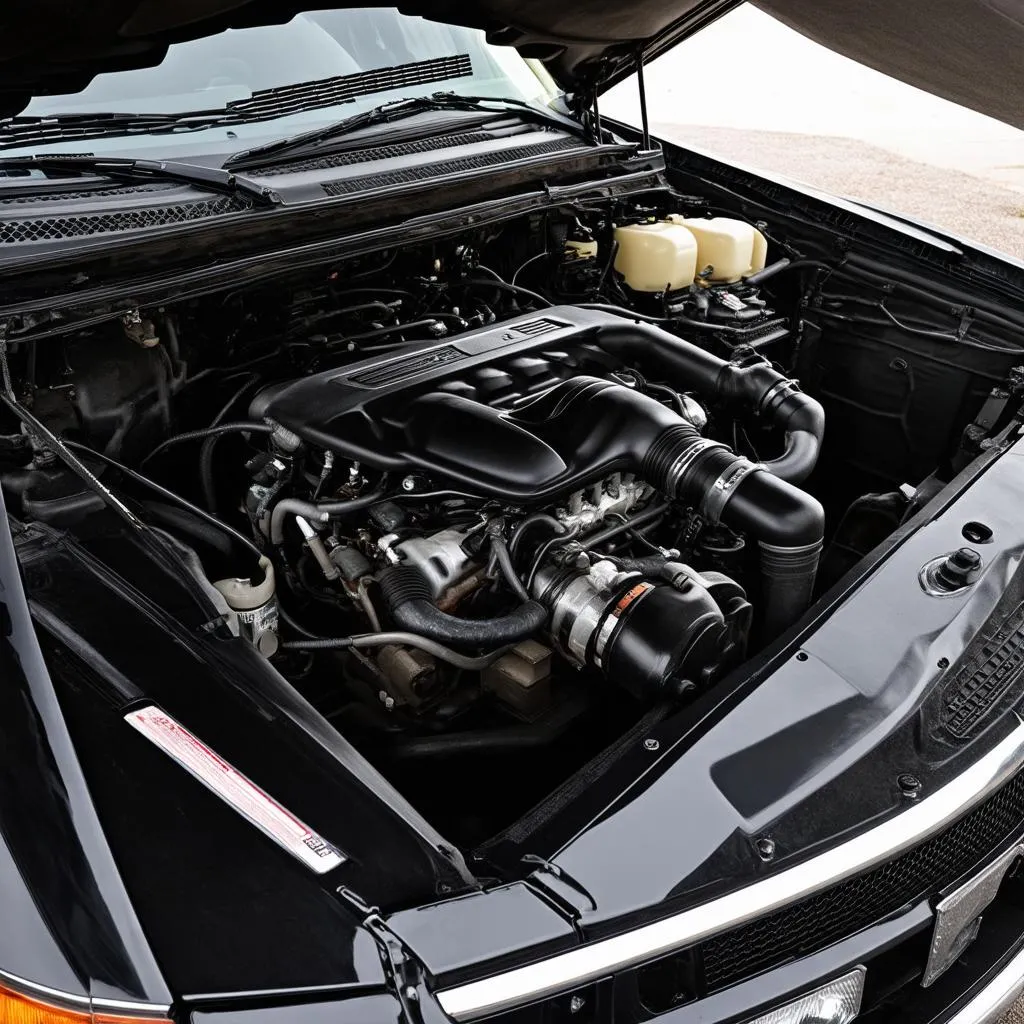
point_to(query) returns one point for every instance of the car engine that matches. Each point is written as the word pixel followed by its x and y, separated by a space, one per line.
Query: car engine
pixel 513 492
pixel 551 450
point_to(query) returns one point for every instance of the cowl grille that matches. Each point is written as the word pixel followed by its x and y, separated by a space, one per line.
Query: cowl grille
pixel 433 170
pixel 362 156
pixel 33 198
pixel 845 909
pixel 48 229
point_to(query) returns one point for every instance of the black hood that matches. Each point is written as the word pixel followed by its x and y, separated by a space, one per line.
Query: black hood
pixel 967 51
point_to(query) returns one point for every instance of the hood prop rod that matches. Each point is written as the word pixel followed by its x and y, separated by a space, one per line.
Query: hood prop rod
pixel 642 89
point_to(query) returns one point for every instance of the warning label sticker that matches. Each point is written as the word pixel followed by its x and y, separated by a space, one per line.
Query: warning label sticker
pixel 235 789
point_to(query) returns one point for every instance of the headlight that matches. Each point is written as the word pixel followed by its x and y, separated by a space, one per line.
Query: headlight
pixel 838 1002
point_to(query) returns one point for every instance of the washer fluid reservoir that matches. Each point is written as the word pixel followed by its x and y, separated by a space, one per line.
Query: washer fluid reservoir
pixel 653 257
pixel 733 248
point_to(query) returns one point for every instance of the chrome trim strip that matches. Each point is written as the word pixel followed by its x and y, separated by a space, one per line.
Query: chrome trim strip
pixel 80 1003
pixel 585 964
pixel 128 1008
pixel 995 999
pixel 51 995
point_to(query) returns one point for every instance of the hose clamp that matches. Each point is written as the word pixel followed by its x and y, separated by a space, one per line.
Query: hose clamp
pixel 778 393
pixel 724 487
pixel 679 468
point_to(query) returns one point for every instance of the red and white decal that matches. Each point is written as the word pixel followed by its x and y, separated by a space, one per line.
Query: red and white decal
pixel 234 788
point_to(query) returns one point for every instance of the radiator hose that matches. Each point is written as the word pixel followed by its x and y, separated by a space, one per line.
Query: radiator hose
pixel 408 598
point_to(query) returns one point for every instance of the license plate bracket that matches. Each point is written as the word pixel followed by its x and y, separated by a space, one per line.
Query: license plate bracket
pixel 958 916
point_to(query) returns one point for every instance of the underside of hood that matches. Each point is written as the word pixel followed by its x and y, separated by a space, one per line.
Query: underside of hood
pixel 964 50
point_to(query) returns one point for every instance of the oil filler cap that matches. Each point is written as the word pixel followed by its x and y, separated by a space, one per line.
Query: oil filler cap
pixel 949 574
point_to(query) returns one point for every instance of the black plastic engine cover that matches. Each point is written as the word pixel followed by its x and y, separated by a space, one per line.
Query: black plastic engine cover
pixel 415 410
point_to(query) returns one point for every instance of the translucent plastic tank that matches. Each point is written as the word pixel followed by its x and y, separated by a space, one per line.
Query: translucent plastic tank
pixel 733 248
pixel 654 256
pixel 580 249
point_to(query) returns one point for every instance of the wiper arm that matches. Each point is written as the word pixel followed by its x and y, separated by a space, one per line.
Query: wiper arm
pixel 44 128
pixel 261 105
pixel 396 110
pixel 213 179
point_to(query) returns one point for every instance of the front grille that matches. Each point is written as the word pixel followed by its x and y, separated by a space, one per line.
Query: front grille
pixel 851 906
pixel 466 163
pixel 47 229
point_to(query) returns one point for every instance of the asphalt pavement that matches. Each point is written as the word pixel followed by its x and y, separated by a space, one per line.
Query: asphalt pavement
pixel 974 207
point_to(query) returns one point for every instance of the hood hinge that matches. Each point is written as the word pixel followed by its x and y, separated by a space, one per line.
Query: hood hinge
pixel 403 971
pixel 570 897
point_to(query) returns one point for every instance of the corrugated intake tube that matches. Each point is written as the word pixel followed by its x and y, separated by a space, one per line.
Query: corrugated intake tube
pixel 754 383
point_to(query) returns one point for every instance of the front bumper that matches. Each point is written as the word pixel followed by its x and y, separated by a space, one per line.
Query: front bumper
pixel 997 996
pixel 787 902
pixel 630 971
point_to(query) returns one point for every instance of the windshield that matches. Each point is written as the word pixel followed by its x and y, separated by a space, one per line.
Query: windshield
pixel 208 73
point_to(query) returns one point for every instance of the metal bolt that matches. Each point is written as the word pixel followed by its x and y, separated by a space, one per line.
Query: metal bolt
pixel 910 785
pixel 766 849
pixel 652 745
pixel 409 484
pixel 576 1004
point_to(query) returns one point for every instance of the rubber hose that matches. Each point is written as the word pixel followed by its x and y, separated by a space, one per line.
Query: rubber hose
pixel 407 595
pixel 757 385
pixel 196 529
pixel 788 575
pixel 318 511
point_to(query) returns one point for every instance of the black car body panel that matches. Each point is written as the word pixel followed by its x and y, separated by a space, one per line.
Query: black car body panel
pixel 138 890
pixel 226 910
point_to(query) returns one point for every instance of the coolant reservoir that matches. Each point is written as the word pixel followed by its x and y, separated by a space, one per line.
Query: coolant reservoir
pixel 732 247
pixel 581 249
pixel 653 256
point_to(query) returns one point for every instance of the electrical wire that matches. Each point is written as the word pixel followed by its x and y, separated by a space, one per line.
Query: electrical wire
pixel 144 481
pixel 523 266
pixel 209 444
pixel 195 435
pixel 497 281
pixel 545 548
pixel 537 519
pixel 341 643
pixel 501 554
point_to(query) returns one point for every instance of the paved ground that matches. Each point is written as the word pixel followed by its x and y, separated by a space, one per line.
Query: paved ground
pixel 968 205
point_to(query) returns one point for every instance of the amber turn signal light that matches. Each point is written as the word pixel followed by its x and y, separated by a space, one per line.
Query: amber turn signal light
pixel 18 1008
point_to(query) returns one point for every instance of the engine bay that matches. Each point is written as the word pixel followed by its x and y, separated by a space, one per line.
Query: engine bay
pixel 511 494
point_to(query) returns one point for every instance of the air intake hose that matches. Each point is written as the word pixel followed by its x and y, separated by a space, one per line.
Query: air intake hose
pixel 752 382
pixel 407 595
pixel 597 419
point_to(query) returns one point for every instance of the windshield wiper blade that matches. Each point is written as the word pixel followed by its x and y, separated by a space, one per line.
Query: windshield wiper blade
pixel 45 128
pixel 261 105
pixel 213 179
pixel 395 110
